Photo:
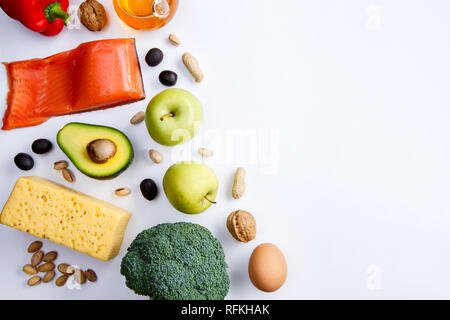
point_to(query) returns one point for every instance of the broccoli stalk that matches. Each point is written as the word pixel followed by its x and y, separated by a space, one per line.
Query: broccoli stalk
pixel 176 261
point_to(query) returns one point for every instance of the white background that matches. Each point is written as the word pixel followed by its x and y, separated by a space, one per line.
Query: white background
pixel 355 95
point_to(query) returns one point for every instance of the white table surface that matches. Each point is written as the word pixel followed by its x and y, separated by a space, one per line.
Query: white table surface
pixel 338 110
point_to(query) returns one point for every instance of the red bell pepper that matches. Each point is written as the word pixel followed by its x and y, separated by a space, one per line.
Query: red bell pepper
pixel 45 16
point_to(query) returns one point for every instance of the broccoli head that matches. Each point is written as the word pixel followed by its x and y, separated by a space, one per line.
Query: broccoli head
pixel 176 261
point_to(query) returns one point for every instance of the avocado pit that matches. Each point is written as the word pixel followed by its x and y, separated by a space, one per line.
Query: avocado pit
pixel 74 138
pixel 101 150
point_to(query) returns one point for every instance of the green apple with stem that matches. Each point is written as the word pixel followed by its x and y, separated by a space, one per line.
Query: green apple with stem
pixel 191 187
pixel 173 116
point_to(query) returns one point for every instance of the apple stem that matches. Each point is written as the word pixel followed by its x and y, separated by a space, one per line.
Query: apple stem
pixel 167 115
pixel 213 202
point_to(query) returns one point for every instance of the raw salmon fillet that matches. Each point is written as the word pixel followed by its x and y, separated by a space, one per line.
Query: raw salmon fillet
pixel 95 75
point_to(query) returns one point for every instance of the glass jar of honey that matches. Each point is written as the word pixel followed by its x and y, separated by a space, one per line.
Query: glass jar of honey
pixel 145 14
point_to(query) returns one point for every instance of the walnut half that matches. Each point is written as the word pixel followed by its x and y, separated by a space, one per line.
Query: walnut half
pixel 92 15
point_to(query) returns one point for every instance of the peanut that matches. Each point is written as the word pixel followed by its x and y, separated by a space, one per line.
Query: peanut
pixel 173 38
pixel 205 152
pixel 239 183
pixel 193 66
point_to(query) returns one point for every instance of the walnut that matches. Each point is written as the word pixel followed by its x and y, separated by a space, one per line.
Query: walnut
pixel 242 225
pixel 92 15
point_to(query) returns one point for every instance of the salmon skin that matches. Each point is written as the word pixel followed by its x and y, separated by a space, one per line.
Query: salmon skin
pixel 95 75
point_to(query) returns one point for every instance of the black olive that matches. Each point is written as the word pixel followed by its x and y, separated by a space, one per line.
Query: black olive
pixel 168 78
pixel 23 161
pixel 154 57
pixel 41 146
pixel 149 189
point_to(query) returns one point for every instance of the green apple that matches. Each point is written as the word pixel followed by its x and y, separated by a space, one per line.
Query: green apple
pixel 191 187
pixel 173 116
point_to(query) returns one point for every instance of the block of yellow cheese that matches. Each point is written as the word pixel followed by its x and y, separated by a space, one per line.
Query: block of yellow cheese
pixel 62 215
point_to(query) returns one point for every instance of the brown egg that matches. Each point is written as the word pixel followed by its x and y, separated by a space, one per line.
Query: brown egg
pixel 267 267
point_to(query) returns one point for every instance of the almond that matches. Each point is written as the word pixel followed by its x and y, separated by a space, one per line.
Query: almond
pixel 91 275
pixel 34 246
pixel 60 281
pixel 66 269
pixel 33 281
pixel 49 266
pixel 29 269
pixel 50 256
pixel 79 276
pixel 37 258
pixel 49 275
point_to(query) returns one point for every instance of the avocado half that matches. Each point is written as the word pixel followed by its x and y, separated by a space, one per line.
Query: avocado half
pixel 73 139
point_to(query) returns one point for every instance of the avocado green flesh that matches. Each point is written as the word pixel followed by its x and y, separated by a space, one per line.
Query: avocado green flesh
pixel 74 137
